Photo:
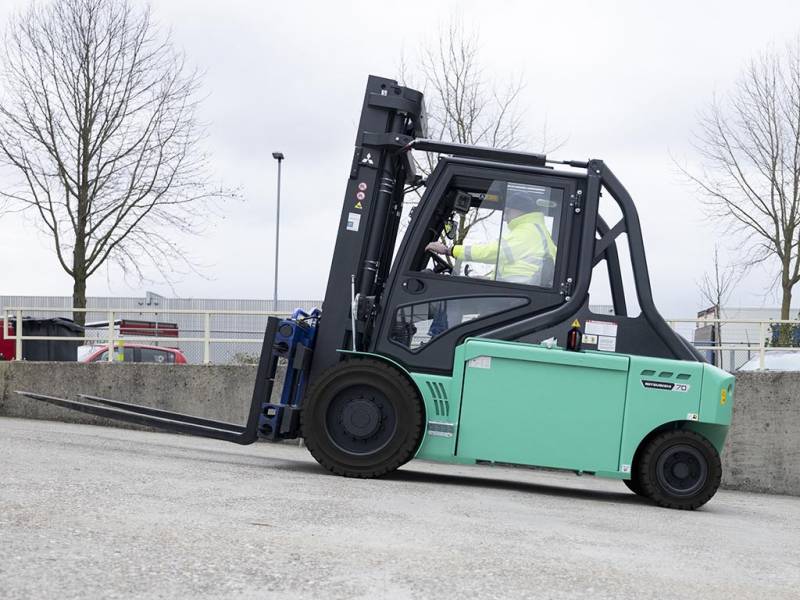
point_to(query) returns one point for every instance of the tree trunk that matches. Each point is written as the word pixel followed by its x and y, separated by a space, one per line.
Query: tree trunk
pixel 786 302
pixel 786 330
pixel 79 299
pixel 79 281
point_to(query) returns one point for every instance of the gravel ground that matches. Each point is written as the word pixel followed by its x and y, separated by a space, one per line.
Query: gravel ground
pixel 91 512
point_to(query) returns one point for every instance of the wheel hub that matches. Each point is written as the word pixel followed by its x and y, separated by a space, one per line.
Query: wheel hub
pixel 361 418
pixel 681 470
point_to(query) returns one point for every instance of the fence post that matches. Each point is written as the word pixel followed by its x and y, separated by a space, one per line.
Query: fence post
pixel 110 316
pixel 18 337
pixel 207 339
pixel 762 335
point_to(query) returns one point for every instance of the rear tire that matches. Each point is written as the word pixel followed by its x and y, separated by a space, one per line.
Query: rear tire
pixel 679 469
pixel 362 418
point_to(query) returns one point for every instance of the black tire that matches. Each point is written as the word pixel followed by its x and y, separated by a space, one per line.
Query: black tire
pixel 634 485
pixel 362 418
pixel 679 469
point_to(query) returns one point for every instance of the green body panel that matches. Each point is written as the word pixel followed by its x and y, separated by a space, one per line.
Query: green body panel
pixel 525 404
pixel 646 409
pixel 714 408
pixel 442 408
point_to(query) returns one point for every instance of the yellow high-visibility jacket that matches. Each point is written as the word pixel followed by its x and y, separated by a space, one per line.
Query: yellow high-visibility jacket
pixel 521 253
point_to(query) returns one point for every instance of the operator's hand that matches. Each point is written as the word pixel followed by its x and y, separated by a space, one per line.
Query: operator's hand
pixel 438 248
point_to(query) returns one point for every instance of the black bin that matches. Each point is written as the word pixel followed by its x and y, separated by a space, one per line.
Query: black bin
pixel 51 350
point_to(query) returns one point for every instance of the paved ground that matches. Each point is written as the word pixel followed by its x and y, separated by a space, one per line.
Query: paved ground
pixel 90 512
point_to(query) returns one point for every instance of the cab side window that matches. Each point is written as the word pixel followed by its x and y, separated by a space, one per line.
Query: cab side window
pixel 417 324
pixel 496 230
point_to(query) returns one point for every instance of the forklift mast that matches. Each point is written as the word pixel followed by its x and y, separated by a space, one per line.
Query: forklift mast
pixel 392 116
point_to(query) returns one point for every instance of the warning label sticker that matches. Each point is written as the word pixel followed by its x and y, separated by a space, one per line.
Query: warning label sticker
pixel 605 332
pixel 353 221
pixel 605 328
pixel 439 429
pixel 480 362
pixel 606 343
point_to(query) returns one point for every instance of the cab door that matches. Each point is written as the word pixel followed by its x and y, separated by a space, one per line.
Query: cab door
pixel 433 303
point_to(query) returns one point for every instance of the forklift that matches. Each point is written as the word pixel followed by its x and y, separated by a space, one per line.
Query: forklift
pixel 416 354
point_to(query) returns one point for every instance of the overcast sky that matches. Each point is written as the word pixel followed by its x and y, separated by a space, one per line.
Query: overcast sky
pixel 622 81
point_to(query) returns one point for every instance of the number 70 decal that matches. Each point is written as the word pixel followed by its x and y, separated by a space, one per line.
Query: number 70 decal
pixel 667 386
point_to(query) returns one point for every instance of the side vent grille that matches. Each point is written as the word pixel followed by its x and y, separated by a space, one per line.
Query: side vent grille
pixel 666 375
pixel 439 395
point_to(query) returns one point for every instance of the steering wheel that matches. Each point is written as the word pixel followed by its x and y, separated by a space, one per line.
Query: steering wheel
pixel 440 265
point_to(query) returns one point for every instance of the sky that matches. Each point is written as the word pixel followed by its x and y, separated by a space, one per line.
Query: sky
pixel 621 81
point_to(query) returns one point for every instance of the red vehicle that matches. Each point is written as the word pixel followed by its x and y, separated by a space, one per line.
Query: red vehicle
pixel 137 353
pixel 7 346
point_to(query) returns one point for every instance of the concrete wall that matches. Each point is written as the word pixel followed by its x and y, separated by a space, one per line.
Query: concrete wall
pixel 762 452
pixel 221 392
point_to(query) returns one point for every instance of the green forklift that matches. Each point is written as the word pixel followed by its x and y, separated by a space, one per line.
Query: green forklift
pixel 465 333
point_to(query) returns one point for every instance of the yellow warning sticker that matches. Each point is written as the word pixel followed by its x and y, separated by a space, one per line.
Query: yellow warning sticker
pixel 723 397
pixel 358 205
pixel 576 323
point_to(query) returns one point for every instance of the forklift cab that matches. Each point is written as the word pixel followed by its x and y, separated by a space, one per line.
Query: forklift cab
pixel 501 283
pixel 436 301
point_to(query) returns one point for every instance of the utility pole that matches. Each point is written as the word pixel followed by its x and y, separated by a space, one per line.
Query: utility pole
pixel 279 157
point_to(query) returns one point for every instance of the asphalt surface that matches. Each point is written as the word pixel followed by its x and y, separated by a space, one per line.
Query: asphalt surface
pixel 91 512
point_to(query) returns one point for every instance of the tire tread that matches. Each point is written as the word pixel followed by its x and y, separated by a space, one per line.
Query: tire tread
pixel 652 490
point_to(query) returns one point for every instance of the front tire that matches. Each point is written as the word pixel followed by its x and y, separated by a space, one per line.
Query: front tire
pixel 679 469
pixel 362 418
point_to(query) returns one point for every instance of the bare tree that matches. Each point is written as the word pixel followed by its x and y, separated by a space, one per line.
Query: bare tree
pixel 750 147
pixel 716 288
pixel 464 106
pixel 98 120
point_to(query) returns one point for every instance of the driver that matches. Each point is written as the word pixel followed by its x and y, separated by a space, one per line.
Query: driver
pixel 526 250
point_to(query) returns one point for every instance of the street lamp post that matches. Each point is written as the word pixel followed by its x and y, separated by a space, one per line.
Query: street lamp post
pixel 279 157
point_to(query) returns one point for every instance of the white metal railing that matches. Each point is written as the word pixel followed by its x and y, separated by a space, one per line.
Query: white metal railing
pixel 113 339
pixel 764 329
